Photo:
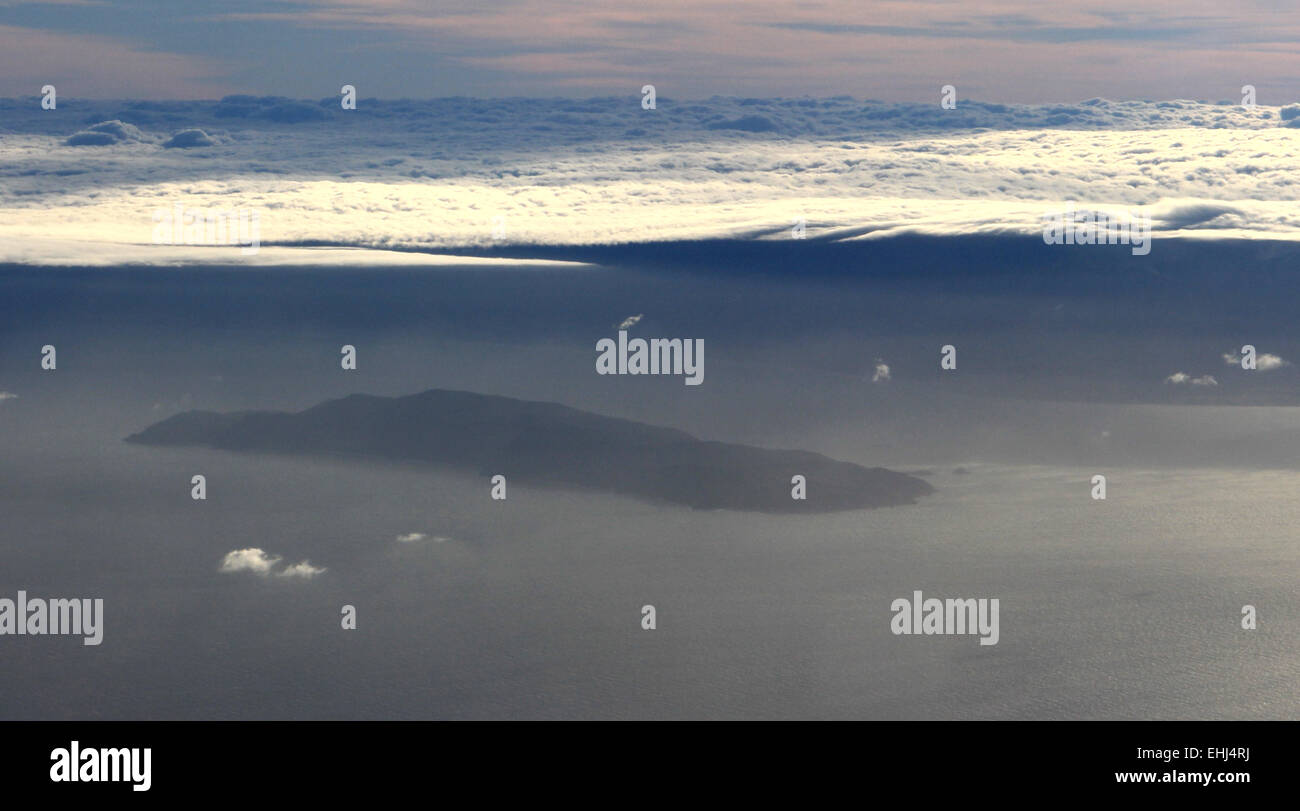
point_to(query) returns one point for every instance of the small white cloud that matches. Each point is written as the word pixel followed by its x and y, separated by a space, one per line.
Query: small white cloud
pixel 631 320
pixel 415 537
pixel 259 562
pixel 249 560
pixel 1267 362
pixel 303 569
pixel 882 371
pixel 7 395
pixel 1264 363
pixel 1182 378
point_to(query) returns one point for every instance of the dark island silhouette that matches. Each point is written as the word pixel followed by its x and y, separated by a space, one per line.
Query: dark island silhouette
pixel 548 444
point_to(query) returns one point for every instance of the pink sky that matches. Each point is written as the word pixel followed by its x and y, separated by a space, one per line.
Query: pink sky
pixel 998 50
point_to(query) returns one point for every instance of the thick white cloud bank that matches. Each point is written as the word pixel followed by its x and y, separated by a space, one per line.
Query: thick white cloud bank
pixel 349 187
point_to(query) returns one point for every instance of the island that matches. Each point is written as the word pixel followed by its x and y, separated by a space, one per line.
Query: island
pixel 548 444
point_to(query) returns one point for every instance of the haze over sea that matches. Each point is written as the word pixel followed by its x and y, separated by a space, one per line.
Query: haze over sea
pixel 1123 608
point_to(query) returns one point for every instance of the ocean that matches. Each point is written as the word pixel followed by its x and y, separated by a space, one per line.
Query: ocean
pixel 531 607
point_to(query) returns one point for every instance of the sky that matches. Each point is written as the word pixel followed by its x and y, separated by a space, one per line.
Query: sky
pixel 1014 51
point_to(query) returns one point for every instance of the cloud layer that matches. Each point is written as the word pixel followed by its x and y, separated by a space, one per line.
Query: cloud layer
pixel 456 173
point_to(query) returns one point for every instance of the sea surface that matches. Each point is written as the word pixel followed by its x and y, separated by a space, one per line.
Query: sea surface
pixel 1123 608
